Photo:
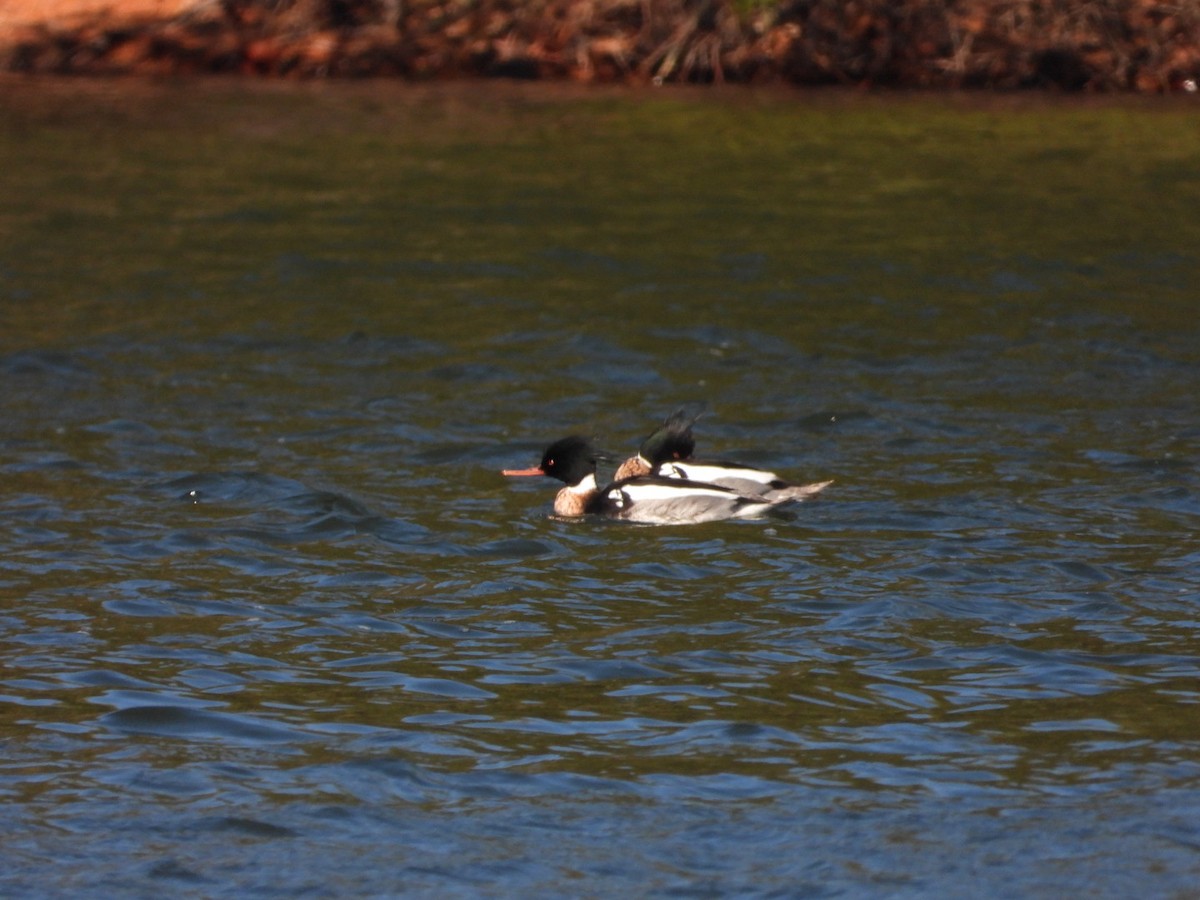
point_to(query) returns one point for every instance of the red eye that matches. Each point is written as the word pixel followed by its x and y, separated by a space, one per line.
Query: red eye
pixel 549 462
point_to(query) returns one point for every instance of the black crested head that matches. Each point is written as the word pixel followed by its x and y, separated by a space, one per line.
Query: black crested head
pixel 570 460
pixel 673 439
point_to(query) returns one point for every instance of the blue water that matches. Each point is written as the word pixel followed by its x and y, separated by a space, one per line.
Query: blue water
pixel 272 623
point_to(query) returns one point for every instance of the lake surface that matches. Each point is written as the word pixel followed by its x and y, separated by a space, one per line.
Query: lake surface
pixel 272 623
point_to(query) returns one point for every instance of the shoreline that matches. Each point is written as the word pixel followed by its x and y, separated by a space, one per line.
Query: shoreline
pixel 1136 46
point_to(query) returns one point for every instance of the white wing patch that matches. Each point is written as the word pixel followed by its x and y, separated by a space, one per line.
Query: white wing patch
pixel 711 474
pixel 647 493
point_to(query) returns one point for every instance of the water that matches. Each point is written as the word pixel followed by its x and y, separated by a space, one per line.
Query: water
pixel 274 624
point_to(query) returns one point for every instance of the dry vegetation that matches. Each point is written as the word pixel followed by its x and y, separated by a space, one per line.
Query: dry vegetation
pixel 1098 45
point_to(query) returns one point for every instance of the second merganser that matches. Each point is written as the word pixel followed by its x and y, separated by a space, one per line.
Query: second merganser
pixel 667 452
pixel 652 499
pixel 671 441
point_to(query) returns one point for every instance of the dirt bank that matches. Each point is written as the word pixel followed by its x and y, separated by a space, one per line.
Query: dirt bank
pixel 1096 45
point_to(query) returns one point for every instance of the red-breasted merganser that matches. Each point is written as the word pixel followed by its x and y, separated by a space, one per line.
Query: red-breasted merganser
pixel 652 499
pixel 667 452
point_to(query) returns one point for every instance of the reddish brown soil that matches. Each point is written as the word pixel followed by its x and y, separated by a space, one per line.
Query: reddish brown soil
pixel 1097 45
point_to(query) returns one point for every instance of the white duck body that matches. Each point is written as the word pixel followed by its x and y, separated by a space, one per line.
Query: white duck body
pixel 651 499
pixel 657 500
pixel 744 479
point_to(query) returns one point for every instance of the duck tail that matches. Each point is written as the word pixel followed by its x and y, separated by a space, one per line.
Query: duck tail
pixel 794 493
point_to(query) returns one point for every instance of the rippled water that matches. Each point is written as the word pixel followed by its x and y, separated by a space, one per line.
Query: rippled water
pixel 272 622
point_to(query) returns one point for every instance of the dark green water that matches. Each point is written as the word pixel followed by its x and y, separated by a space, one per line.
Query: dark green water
pixel 271 621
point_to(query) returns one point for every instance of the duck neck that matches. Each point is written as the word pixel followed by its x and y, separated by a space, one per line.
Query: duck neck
pixel 573 499
pixel 632 467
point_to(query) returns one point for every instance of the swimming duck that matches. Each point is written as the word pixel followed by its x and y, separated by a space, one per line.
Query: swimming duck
pixel 652 499
pixel 667 452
